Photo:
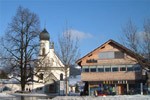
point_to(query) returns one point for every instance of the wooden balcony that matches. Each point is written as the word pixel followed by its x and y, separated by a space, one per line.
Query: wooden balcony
pixel 110 76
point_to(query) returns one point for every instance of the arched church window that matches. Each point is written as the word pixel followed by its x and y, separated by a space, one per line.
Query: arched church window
pixel 43 51
pixel 41 76
pixel 61 76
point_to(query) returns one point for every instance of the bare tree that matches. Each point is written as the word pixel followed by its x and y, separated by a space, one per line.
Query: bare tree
pixel 68 51
pixel 130 37
pixel 146 39
pixel 20 44
pixel 139 42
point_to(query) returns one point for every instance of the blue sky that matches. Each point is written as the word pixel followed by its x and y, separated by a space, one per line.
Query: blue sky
pixel 93 21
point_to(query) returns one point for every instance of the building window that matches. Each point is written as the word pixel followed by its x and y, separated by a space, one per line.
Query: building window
pixel 41 76
pixel 107 69
pixel 122 68
pixel 100 69
pixel 43 51
pixel 137 68
pixel 115 69
pixel 85 70
pixel 111 55
pixel 92 69
pixel 61 76
pixel 106 55
pixel 129 68
pixel 119 54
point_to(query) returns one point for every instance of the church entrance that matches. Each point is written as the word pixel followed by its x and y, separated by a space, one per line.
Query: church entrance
pixel 51 87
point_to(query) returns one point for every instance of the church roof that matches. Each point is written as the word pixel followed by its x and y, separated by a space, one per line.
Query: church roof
pixel 44 35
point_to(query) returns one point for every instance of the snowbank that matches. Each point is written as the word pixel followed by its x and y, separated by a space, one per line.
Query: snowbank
pixel 6 95
pixel 29 94
pixel 118 97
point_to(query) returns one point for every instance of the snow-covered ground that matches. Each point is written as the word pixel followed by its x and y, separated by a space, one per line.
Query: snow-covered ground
pixel 29 94
pixel 117 97
pixel 6 95
pixel 21 94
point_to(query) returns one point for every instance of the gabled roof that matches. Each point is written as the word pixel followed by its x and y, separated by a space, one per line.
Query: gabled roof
pixel 123 48
pixel 51 76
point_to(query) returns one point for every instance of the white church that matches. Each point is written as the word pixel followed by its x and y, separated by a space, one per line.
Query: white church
pixel 50 70
pixel 50 77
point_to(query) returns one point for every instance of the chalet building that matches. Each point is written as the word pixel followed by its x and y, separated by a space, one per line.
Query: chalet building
pixel 50 70
pixel 111 69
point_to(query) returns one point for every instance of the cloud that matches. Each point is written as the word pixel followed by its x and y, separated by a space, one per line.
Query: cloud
pixel 80 35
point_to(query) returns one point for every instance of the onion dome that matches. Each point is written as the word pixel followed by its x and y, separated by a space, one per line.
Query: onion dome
pixel 44 35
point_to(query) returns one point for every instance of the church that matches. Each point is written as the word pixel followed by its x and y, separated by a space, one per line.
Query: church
pixel 50 77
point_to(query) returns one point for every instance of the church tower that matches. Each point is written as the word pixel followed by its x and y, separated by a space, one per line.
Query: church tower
pixel 50 70
pixel 44 43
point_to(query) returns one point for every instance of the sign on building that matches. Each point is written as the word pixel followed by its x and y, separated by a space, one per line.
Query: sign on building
pixel 62 87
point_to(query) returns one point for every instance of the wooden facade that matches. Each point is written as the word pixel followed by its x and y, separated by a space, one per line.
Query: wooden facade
pixel 111 65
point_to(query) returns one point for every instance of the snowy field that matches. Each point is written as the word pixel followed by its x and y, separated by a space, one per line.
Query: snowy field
pixel 4 96
pixel 117 97
pixel 19 96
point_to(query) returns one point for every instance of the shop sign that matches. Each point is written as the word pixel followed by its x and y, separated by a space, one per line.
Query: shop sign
pixel 108 82
pixel 116 82
pixel 122 82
